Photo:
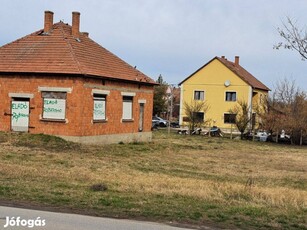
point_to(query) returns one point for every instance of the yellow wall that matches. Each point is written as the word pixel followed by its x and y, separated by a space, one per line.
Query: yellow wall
pixel 259 100
pixel 211 79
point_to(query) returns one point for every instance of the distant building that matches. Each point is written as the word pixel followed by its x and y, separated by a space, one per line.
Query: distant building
pixel 173 102
pixel 222 83
pixel 58 81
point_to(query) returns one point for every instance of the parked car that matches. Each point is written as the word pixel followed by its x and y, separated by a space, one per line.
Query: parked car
pixel 154 125
pixel 282 138
pixel 160 121
pixel 259 136
pixel 175 124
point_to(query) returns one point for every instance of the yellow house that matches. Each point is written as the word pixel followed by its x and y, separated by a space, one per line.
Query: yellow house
pixel 221 84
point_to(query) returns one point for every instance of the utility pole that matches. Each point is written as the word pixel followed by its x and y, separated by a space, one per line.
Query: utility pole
pixel 169 93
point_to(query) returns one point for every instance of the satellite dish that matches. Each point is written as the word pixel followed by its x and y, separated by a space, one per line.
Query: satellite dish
pixel 227 83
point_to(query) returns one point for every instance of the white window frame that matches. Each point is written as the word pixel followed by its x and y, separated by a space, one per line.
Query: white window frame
pixel 231 98
pixel 127 108
pixel 200 99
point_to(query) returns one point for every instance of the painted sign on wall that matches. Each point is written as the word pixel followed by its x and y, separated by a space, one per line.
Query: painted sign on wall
pixel 20 116
pixel 54 108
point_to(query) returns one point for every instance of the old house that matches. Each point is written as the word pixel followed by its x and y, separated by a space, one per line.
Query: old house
pixel 58 81
pixel 222 83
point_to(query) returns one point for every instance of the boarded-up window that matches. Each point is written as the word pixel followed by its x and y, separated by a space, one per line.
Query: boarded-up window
pixel 54 105
pixel 127 107
pixel 99 107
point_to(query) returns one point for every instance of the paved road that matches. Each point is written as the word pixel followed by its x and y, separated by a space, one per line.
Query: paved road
pixel 62 221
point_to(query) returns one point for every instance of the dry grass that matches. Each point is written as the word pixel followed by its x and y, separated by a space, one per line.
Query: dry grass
pixel 176 178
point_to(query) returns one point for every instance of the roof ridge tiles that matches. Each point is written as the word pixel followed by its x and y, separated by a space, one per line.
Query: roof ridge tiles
pixel 70 48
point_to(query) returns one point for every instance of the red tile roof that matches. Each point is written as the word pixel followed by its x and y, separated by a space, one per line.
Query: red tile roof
pixel 59 52
pixel 239 71
pixel 243 74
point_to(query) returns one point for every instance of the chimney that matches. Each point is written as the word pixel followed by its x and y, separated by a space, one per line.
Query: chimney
pixel 237 58
pixel 75 24
pixel 223 57
pixel 48 21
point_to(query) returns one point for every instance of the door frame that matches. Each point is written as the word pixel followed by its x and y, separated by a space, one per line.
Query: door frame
pixel 141 117
pixel 20 97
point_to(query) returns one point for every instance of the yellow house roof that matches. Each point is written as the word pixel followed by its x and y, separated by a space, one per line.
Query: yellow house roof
pixel 238 70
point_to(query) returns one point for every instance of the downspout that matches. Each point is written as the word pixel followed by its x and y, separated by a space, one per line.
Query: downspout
pixel 250 106
pixel 181 105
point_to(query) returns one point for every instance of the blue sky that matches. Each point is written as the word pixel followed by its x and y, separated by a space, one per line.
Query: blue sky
pixel 175 37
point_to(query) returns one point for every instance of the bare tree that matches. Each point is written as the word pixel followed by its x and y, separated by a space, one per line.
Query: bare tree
pixel 195 113
pixel 294 38
pixel 287 110
pixel 243 117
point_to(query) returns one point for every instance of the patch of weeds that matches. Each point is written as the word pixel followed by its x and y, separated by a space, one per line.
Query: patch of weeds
pixel 196 215
pixel 192 147
pixel 43 141
pixel 298 183
pixel 4 190
pixel 64 163
pixel 209 206
pixel 9 156
pixel 99 187
pixel 137 143
pixel 62 185
pixel 57 193
pixel 239 196
pixel 251 211
pixel 115 202
pixel 220 217
pixel 61 200
pixel 4 137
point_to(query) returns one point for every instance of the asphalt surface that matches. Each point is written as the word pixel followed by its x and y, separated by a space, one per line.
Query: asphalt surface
pixel 62 221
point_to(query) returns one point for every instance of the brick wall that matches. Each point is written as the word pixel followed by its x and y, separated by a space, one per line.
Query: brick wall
pixel 79 104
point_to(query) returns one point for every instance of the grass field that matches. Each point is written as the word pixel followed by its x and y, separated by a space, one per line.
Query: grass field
pixel 192 180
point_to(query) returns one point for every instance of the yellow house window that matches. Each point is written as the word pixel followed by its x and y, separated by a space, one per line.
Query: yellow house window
pixel 198 116
pixel 229 118
pixel 199 95
pixel 231 96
